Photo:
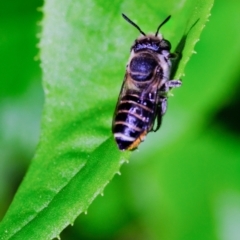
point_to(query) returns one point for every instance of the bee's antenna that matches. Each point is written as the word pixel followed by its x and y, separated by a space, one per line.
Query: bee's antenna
pixel 162 25
pixel 134 24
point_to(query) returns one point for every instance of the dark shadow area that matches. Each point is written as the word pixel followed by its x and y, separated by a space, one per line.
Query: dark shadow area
pixel 229 115
pixel 15 174
pixel 179 49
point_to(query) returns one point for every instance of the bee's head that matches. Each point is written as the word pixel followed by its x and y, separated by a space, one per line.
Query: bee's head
pixel 151 42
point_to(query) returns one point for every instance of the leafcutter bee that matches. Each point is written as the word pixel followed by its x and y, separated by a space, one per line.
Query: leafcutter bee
pixel 143 97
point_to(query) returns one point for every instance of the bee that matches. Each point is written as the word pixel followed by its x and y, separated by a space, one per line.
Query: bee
pixel 143 97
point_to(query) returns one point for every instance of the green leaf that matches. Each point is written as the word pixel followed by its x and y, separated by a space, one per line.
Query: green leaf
pixel 84 47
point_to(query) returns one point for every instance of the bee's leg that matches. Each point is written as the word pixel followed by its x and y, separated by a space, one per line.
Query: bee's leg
pixel 163 105
pixel 159 121
pixel 161 109
pixel 164 90
pixel 173 56
pixel 173 84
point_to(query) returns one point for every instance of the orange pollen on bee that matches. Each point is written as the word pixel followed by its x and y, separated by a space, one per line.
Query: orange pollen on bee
pixel 140 139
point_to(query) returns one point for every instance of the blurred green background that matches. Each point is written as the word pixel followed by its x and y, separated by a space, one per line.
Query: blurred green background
pixel 180 184
pixel 21 95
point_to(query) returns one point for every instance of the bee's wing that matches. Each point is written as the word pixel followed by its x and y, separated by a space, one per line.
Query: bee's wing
pixel 152 93
pixel 121 94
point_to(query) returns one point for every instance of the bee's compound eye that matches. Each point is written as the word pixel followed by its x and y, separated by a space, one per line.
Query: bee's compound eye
pixel 165 45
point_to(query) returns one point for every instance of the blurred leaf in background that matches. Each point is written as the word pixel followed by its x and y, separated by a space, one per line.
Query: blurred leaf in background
pixel 183 182
pixel 21 96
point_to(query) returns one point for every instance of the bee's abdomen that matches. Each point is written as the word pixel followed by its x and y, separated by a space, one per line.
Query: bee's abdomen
pixel 142 67
pixel 133 118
